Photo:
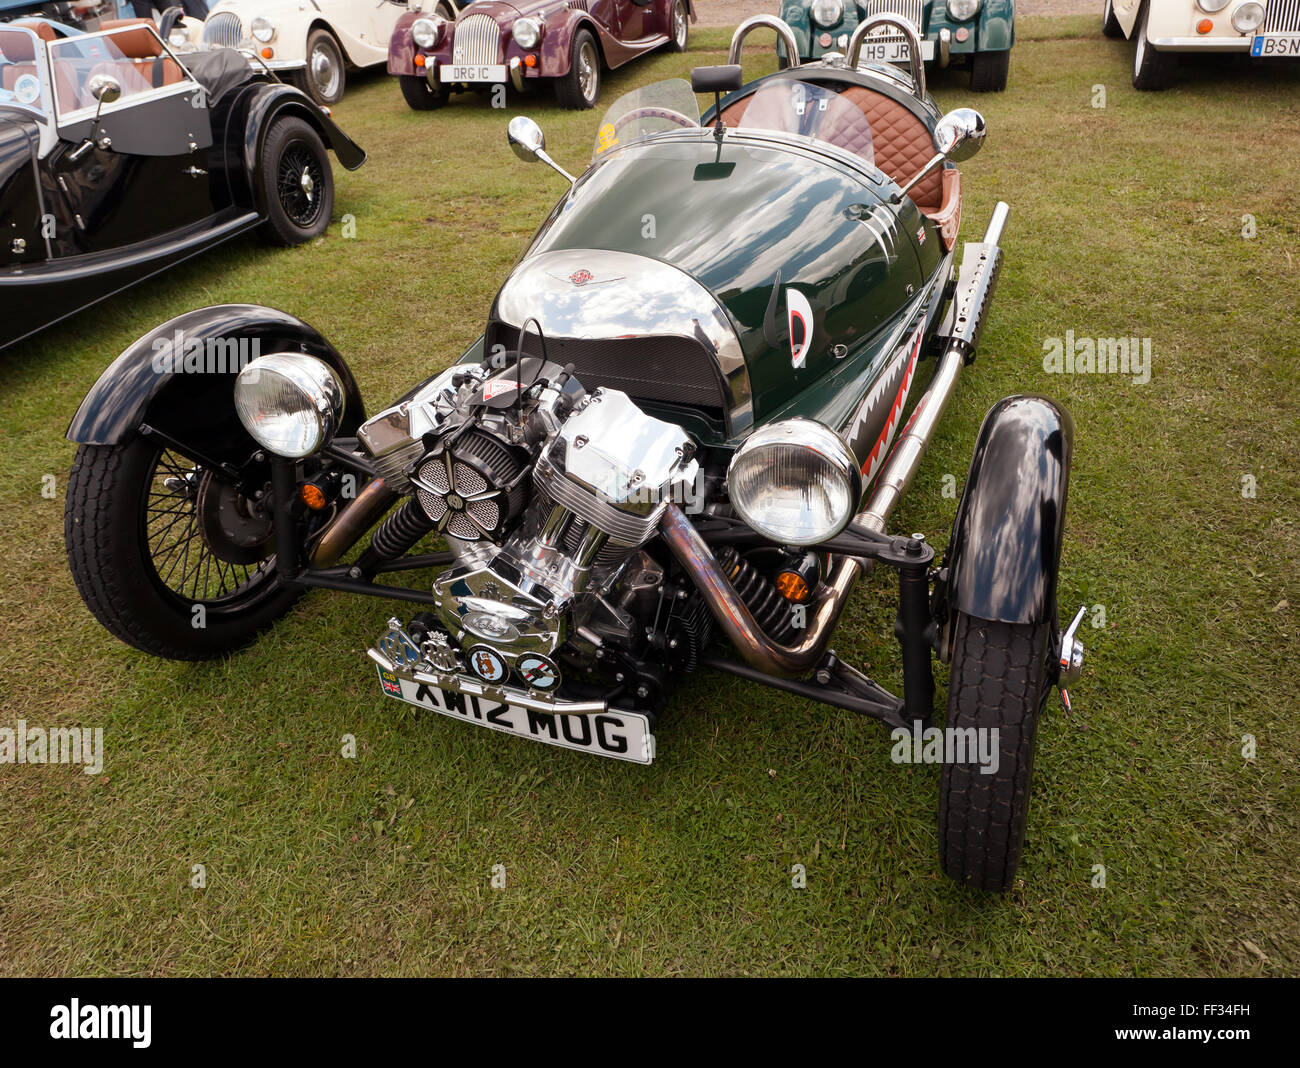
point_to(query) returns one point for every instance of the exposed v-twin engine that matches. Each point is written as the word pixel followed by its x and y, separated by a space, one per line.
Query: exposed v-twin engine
pixel 543 491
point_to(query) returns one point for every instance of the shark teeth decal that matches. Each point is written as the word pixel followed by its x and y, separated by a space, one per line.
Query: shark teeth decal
pixel 910 352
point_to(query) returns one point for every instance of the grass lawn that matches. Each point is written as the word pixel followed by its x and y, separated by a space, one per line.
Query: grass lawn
pixel 1126 220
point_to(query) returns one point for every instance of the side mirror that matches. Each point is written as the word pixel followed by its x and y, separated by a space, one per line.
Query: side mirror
pixel 526 138
pixel 104 88
pixel 959 134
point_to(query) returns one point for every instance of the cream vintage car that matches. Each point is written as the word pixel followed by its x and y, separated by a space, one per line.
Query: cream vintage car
pixel 1160 29
pixel 309 42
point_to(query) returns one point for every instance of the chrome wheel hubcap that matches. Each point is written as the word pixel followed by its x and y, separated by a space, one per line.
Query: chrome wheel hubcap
pixel 324 72
pixel 587 70
pixel 308 186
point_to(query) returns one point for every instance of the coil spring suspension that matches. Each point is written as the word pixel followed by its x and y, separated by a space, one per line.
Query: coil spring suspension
pixel 400 531
pixel 771 611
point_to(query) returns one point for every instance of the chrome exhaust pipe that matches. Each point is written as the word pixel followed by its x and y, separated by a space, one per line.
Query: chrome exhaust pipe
pixel 980 263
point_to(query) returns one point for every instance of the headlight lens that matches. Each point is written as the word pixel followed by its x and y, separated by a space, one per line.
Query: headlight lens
pixel 962 10
pixel 263 29
pixel 528 32
pixel 827 12
pixel 1211 6
pixel 427 32
pixel 795 482
pixel 291 405
pixel 1248 17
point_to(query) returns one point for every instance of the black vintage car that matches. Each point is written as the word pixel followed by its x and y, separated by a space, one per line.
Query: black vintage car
pixel 119 159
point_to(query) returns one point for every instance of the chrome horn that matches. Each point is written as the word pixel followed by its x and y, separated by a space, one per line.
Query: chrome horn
pixel 783 31
pixel 909 31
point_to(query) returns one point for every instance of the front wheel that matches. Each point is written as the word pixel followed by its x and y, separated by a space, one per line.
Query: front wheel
pixel 1152 70
pixel 326 75
pixel 1110 26
pixel 580 88
pixel 419 94
pixel 988 71
pixel 998 685
pixel 679 32
pixel 297 183
pixel 168 556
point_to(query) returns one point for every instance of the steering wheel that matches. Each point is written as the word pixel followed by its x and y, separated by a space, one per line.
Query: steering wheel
pixel 655 113
pixel 168 21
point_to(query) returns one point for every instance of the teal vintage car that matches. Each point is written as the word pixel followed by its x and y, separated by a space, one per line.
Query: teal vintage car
pixel 969 33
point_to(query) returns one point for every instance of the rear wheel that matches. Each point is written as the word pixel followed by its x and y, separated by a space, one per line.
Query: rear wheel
pixel 1110 26
pixel 988 71
pixel 679 31
pixel 999 681
pixel 1152 70
pixel 580 88
pixel 297 183
pixel 419 94
pixel 169 557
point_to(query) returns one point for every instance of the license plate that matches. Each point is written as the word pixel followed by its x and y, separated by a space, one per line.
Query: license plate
pixel 460 73
pixel 892 52
pixel 614 734
pixel 1275 44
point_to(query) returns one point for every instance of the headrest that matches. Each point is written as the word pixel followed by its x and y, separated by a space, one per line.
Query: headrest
pixel 135 39
pixel 724 79
pixel 43 30
pixel 17 47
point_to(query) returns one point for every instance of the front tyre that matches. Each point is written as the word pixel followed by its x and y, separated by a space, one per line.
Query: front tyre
pixel 1110 26
pixel 297 183
pixel 1152 70
pixel 679 31
pixel 419 94
pixel 166 556
pixel 988 71
pixel 999 681
pixel 580 88
pixel 326 75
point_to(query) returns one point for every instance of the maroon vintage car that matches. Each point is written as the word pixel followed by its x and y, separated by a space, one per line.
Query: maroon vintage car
pixel 442 48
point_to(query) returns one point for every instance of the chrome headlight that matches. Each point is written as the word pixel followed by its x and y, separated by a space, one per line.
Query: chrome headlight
pixel 427 32
pixel 1248 18
pixel 795 482
pixel 827 12
pixel 263 29
pixel 527 32
pixel 961 10
pixel 290 404
pixel 1211 6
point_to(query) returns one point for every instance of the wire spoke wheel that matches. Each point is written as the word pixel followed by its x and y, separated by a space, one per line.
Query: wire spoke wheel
pixel 192 556
pixel 299 180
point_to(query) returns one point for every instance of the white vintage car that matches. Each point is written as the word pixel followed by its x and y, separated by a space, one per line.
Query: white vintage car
pixel 311 42
pixel 1162 28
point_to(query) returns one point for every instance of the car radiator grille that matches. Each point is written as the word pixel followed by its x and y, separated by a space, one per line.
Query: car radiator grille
pixel 1282 16
pixel 478 41
pixel 222 30
pixel 909 9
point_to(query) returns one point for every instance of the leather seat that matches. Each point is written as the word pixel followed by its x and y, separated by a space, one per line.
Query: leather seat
pixel 902 145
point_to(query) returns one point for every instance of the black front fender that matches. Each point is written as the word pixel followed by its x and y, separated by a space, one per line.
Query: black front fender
pixel 179 379
pixel 1005 552
pixel 275 99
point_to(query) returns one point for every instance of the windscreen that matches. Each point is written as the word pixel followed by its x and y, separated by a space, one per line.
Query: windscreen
pixel 807 110
pixel 666 105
